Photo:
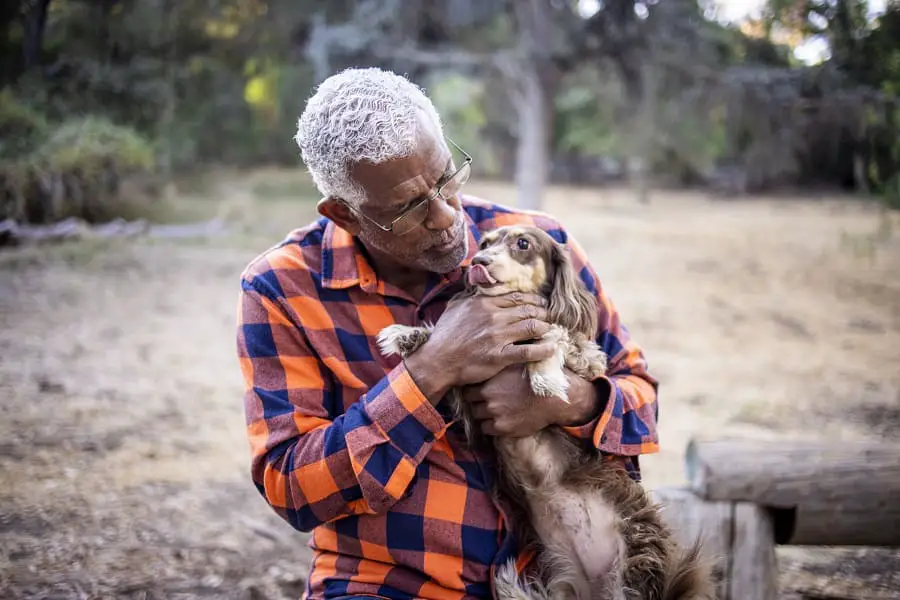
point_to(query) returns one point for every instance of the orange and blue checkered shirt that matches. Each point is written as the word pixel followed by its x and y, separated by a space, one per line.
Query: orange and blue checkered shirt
pixel 346 446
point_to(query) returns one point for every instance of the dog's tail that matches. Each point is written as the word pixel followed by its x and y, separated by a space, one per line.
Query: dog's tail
pixel 689 575
pixel 509 586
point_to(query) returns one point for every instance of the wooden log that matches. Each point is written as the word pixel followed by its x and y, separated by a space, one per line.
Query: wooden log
pixel 691 517
pixel 822 493
pixel 754 565
pixel 12 233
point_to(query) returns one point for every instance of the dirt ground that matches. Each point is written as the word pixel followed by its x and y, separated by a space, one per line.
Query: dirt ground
pixel 123 461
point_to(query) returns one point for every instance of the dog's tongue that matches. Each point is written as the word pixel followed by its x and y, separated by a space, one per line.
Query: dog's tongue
pixel 478 275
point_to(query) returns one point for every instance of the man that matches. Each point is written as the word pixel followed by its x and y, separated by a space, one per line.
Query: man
pixel 358 448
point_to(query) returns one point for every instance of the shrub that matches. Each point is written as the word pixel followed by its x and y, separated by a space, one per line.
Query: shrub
pixel 92 144
pixel 21 127
pixel 80 170
pixel 890 194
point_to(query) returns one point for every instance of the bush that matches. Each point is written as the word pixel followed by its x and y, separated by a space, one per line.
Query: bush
pixel 92 144
pixel 82 169
pixel 890 194
pixel 21 127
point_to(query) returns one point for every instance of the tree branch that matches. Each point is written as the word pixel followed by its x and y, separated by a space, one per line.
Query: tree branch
pixel 433 58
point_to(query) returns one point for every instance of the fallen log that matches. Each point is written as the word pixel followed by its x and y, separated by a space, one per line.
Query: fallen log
pixel 13 233
pixel 819 493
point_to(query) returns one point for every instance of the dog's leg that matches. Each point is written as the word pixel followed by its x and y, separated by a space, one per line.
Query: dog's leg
pixel 547 376
pixel 402 339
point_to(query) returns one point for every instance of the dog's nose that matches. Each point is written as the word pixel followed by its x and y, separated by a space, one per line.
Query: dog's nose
pixel 481 259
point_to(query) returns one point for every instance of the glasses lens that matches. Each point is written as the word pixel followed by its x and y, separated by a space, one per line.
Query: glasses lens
pixel 412 219
pixel 453 185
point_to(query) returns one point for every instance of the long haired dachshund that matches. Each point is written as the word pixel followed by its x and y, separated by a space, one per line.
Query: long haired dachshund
pixel 594 530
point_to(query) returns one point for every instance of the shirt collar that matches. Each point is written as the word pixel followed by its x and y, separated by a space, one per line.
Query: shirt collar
pixel 344 265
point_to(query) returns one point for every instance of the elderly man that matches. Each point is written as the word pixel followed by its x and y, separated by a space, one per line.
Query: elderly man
pixel 358 448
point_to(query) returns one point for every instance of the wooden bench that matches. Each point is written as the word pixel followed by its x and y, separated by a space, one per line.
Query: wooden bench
pixel 746 497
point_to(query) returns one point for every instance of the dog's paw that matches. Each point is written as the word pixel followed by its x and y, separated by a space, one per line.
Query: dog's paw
pixel 402 340
pixel 550 384
pixel 597 362
pixel 586 359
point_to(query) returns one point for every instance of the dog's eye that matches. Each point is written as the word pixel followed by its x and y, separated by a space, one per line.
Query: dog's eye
pixel 522 244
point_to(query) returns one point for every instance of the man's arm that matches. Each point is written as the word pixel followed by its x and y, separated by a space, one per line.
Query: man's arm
pixel 309 468
pixel 624 422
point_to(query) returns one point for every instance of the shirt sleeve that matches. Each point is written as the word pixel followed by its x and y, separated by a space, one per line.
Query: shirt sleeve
pixel 627 425
pixel 309 467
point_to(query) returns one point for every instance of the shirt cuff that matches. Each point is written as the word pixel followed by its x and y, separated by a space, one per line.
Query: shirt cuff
pixel 595 430
pixel 405 416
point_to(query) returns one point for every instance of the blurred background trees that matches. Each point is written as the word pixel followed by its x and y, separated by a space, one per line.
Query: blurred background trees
pixel 662 92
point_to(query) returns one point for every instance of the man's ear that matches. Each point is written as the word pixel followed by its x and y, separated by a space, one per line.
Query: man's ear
pixel 336 210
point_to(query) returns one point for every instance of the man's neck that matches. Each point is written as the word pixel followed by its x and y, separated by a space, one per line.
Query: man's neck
pixel 412 281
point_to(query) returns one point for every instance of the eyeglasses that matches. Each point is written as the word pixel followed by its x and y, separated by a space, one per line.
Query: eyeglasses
pixel 415 215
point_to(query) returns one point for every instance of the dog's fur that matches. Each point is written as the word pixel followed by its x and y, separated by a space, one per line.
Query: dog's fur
pixel 594 529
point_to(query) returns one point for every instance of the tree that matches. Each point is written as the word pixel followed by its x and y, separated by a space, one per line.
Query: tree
pixel 532 45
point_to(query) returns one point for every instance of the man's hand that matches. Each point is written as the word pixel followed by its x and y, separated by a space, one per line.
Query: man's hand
pixel 476 338
pixel 505 404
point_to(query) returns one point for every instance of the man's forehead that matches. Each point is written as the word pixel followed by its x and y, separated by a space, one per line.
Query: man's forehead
pixel 396 182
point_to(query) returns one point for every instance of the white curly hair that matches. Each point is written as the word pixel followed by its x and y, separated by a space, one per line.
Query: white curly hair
pixel 359 114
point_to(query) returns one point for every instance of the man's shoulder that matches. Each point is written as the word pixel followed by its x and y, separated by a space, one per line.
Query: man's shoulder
pixel 299 251
pixel 488 215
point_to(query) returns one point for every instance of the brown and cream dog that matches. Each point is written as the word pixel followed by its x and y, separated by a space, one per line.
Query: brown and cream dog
pixel 595 532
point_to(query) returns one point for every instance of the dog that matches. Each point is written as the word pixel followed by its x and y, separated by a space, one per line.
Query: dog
pixel 593 529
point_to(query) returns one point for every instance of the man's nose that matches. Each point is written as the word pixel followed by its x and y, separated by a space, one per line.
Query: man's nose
pixel 441 215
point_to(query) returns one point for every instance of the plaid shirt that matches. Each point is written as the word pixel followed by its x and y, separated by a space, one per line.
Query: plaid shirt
pixel 345 445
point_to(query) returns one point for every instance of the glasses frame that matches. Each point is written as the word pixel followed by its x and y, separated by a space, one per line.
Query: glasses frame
pixel 467 162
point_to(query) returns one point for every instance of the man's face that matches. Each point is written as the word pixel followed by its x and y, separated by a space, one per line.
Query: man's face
pixel 439 242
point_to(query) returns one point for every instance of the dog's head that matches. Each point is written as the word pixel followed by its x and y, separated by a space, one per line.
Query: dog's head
pixel 528 260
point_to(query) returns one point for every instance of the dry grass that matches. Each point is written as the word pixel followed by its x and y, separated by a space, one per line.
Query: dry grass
pixel 123 461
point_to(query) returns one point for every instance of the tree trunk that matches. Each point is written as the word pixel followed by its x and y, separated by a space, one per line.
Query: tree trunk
pixel 533 82
pixel 533 147
pixel 860 180
pixel 35 23
pixel 9 65
pixel 644 129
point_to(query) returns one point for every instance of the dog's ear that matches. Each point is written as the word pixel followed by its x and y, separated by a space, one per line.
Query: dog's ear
pixel 570 304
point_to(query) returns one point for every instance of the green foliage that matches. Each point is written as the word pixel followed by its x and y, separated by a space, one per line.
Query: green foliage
pixel 586 117
pixel 692 142
pixel 890 192
pixel 678 134
pixel 460 102
pixel 224 81
pixel 21 127
pixel 92 144
pixel 884 153
pixel 88 168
